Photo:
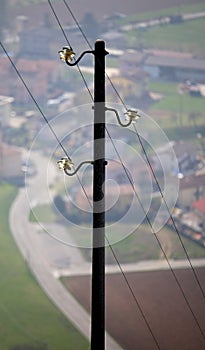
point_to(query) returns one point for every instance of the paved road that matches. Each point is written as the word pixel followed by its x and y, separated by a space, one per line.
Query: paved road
pixel 33 244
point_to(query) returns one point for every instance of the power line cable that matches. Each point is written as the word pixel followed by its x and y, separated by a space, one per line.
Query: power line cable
pixel 118 263
pixel 167 208
pixel 68 42
pixel 90 46
pixel 33 99
pixel 41 112
pixel 144 151
pixel 160 245
pixel 149 222
pixel 133 294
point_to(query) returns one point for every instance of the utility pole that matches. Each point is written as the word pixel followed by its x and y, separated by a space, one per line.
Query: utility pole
pixel 99 163
pixel 98 248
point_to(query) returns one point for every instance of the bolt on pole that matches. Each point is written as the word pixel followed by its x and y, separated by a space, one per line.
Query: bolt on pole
pixel 98 250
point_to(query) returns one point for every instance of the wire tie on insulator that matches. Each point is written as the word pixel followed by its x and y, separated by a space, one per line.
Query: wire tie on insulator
pixel 65 164
pixel 132 115
pixel 66 54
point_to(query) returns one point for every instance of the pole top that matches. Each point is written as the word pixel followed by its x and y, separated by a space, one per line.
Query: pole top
pixel 100 40
pixel 100 46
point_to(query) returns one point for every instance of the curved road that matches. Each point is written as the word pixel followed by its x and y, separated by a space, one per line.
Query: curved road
pixel 32 245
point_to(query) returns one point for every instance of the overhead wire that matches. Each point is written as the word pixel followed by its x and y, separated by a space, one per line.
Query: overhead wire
pixel 59 142
pixel 90 46
pixel 148 220
pixel 168 209
pixel 160 246
pixel 41 112
pixel 113 252
pixel 144 151
pixel 33 99
pixel 68 42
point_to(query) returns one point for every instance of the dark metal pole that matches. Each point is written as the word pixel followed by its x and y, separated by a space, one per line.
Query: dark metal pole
pixel 98 251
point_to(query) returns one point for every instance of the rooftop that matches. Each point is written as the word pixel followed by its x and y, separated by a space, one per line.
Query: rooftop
pixel 175 62
pixel 200 205
pixel 192 181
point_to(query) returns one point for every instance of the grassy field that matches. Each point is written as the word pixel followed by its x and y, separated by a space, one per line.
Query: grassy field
pixel 172 10
pixel 186 36
pixel 180 116
pixel 180 103
pixel 141 245
pixel 42 213
pixel 27 317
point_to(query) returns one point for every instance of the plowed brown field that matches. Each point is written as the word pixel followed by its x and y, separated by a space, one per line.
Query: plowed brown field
pixel 164 313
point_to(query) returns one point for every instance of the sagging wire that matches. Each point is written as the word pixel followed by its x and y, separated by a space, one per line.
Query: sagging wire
pixel 167 208
pixel 149 222
pixel 68 165
pixel 90 46
pixel 66 38
pixel 144 151
pixel 34 100
pixel 159 243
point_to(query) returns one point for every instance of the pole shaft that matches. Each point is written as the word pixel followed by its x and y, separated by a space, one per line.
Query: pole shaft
pixel 98 250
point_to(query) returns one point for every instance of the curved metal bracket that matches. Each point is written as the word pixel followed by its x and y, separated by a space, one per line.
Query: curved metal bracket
pixel 118 117
pixel 79 58
pixel 67 54
pixel 66 170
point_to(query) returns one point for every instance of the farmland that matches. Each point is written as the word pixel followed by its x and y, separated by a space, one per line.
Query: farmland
pixel 162 306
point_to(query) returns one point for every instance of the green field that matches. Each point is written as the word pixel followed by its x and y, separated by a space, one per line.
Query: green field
pixel 197 7
pixel 180 116
pixel 27 317
pixel 176 103
pixel 42 213
pixel 143 245
pixel 140 245
pixel 187 36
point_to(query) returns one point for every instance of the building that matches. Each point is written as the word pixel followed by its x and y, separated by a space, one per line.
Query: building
pixel 177 67
pixel 131 62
